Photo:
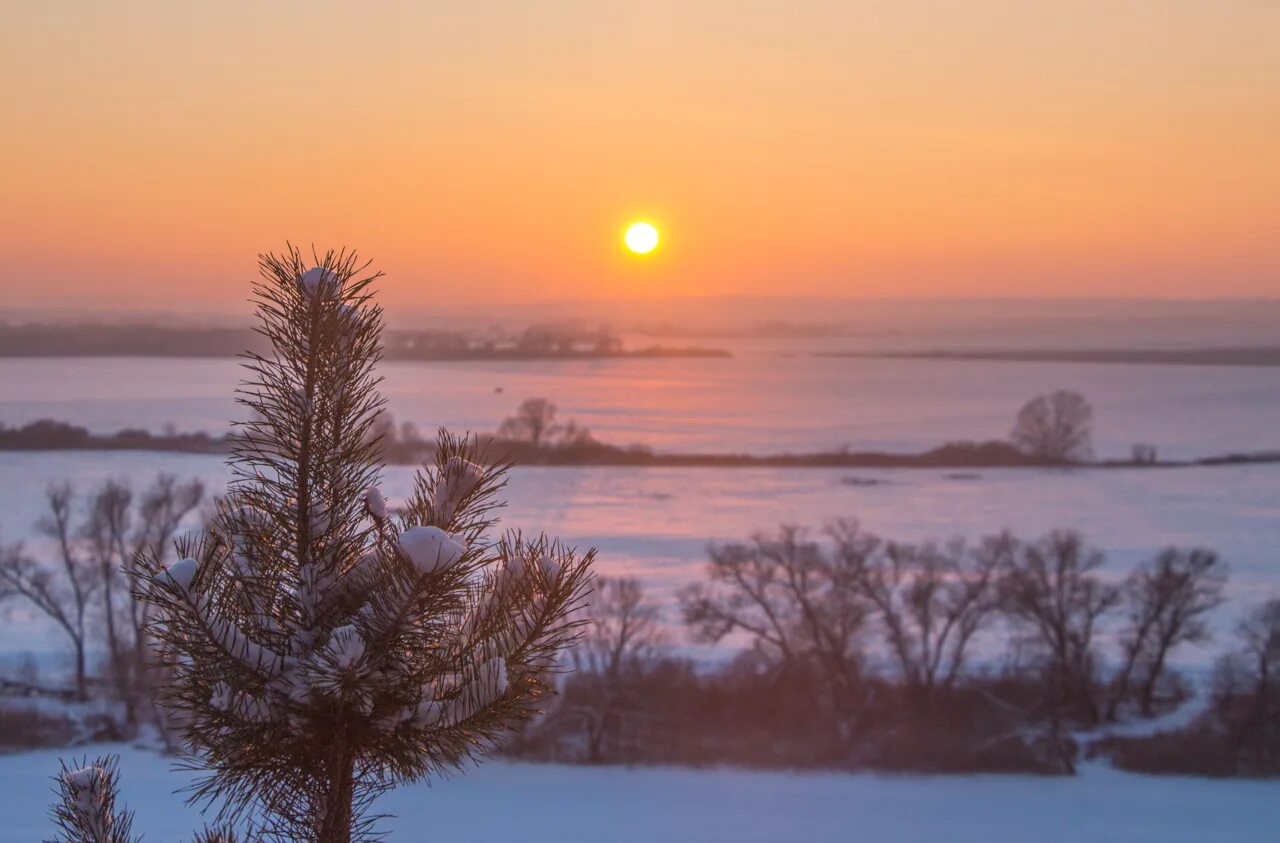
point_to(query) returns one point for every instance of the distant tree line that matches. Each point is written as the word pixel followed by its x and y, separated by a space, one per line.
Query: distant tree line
pixel 536 342
pixel 1051 431
pixel 856 652
pixel 847 650
pixel 53 435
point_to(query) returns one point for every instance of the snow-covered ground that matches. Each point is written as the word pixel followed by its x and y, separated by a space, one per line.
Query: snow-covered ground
pixel 507 801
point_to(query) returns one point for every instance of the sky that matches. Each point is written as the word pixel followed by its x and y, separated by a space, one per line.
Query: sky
pixel 494 152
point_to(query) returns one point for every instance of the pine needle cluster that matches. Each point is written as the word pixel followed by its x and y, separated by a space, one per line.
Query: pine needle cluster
pixel 321 647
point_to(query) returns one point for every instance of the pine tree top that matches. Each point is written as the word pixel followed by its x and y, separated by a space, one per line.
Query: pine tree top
pixel 319 646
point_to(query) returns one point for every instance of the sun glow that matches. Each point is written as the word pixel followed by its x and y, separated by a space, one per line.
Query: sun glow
pixel 641 238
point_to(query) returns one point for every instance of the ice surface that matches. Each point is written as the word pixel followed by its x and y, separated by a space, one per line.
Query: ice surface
pixel 756 402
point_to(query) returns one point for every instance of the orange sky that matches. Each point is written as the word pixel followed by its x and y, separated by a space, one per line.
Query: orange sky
pixel 494 150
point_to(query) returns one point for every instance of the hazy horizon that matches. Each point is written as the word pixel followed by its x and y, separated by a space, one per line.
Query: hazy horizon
pixel 919 322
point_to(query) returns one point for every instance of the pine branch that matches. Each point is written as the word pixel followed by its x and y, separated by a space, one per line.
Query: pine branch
pixel 86 811
pixel 322 647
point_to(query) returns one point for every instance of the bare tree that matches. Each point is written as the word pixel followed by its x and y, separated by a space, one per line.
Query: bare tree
pixel 573 435
pixel 1167 599
pixel 1055 427
pixel 622 637
pixel 798 605
pixel 1050 587
pixel 117 528
pixel 1144 454
pixel 162 508
pixel 1260 634
pixel 930 598
pixel 624 628
pixel 409 433
pixel 534 422
pixel 104 532
pixel 62 592
pixel 1247 692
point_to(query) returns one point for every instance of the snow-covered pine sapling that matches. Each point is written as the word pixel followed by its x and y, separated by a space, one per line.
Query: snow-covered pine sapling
pixel 324 648
pixel 86 809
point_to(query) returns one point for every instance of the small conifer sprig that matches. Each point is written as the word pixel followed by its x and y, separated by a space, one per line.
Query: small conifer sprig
pixel 86 811
pixel 322 647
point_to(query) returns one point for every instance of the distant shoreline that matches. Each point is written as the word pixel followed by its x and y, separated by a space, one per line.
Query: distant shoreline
pixel 425 356
pixel 57 341
pixel 49 435
pixel 1255 356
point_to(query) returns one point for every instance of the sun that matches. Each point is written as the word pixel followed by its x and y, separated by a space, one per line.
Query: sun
pixel 641 238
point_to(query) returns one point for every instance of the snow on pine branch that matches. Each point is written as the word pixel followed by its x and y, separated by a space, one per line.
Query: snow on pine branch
pixel 86 811
pixel 322 645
